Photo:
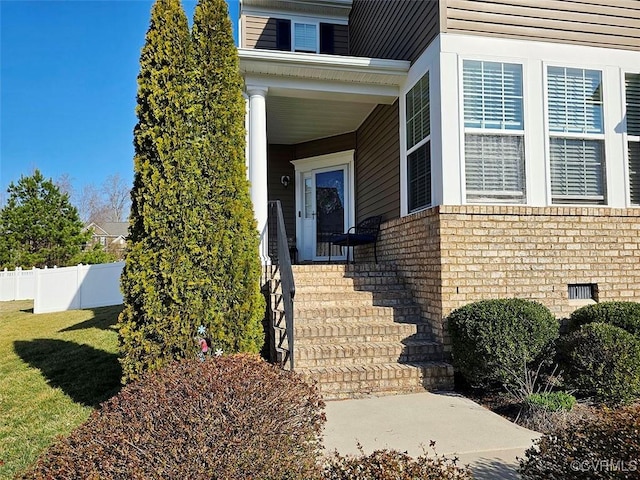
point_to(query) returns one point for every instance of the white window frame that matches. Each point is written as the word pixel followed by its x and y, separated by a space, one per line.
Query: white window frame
pixel 628 139
pixel 419 144
pixel 578 200
pixel 315 25
pixel 496 198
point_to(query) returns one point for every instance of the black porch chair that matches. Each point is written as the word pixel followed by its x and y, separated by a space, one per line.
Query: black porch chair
pixel 364 233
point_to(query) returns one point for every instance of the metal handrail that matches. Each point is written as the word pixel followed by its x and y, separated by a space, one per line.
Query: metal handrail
pixel 287 283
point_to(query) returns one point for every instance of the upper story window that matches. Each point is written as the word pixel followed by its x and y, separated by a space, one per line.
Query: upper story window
pixel 494 132
pixel 418 128
pixel 305 37
pixel 632 94
pixel 576 135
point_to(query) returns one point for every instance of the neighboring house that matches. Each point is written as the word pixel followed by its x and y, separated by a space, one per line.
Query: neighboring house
pixel 111 235
pixel 499 139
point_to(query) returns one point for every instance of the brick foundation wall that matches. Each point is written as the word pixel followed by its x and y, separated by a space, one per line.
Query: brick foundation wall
pixel 454 255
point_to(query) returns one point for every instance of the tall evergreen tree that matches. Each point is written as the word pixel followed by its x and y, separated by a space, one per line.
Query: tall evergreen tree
pixel 39 226
pixel 219 110
pixel 154 325
pixel 193 256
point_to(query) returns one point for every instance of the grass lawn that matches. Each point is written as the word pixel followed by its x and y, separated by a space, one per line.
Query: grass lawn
pixel 55 368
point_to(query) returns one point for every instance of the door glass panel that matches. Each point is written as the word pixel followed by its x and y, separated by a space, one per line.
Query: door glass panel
pixel 329 209
pixel 308 198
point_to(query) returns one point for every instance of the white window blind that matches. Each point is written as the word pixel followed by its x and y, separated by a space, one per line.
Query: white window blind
pixel 494 132
pixel 418 145
pixel 305 37
pixel 576 131
pixel 632 91
pixel 495 167
pixel 577 169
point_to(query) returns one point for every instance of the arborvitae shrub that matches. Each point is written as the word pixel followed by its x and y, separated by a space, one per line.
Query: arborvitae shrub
pixel 393 465
pixel 493 339
pixel 602 448
pixel 625 315
pixel 602 361
pixel 232 417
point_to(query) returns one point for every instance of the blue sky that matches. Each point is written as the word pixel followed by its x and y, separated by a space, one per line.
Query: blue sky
pixel 68 86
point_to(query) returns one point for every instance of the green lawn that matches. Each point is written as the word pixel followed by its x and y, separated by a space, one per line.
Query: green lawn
pixel 55 369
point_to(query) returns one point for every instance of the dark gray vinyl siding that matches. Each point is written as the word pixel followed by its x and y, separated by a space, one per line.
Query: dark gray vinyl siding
pixel 325 146
pixel 378 164
pixel 260 33
pixel 603 23
pixel 279 164
pixel 395 29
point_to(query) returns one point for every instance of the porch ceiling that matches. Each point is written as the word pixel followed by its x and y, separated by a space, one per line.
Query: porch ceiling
pixel 313 96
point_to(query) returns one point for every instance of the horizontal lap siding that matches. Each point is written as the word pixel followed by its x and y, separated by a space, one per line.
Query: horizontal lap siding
pixel 378 164
pixel 325 146
pixel 395 29
pixel 341 39
pixel 279 164
pixel 586 22
pixel 259 32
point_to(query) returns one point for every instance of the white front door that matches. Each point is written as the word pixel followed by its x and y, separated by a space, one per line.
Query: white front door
pixel 324 206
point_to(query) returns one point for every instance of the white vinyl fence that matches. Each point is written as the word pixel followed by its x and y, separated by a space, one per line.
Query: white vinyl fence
pixel 17 284
pixel 67 288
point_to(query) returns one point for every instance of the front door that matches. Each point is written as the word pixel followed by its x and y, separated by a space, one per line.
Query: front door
pixel 324 208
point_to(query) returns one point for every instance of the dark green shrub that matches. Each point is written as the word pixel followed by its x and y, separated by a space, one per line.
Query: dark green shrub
pixel 602 361
pixel 492 340
pixel 232 417
pixel 551 401
pixel 605 447
pixel 625 315
pixel 393 465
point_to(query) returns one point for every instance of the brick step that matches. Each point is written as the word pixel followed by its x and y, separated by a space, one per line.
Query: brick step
pixel 357 381
pixel 343 354
pixel 342 285
pixel 357 269
pixel 303 295
pixel 358 332
pixel 324 313
pixel 345 301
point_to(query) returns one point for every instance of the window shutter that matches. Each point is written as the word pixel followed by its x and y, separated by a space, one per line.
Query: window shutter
pixel 327 38
pixel 283 35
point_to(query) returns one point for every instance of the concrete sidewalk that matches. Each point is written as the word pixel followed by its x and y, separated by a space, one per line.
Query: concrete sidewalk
pixel 460 427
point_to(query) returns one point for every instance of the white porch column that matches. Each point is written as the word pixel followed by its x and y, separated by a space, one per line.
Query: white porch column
pixel 258 164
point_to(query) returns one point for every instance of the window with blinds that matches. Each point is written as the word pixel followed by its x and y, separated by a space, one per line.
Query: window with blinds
pixel 418 130
pixel 632 93
pixel 305 37
pixel 494 132
pixel 576 143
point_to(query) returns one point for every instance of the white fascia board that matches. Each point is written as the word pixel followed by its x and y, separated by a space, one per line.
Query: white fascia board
pixel 313 65
pixel 336 8
pixel 325 89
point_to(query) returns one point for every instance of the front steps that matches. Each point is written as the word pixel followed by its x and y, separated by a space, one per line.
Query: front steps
pixel 357 332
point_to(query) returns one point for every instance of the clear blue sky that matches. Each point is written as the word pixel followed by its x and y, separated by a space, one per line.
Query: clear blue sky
pixel 68 86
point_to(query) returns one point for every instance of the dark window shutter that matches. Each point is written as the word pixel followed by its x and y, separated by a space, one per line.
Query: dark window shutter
pixel 326 38
pixel 283 35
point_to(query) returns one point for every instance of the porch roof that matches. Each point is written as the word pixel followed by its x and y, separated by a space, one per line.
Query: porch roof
pixel 313 96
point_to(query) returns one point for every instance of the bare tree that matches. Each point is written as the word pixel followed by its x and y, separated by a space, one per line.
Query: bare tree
pixel 117 194
pixel 65 184
pixel 91 205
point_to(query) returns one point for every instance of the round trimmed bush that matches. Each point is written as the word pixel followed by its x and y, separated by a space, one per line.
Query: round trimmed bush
pixel 492 340
pixel 625 315
pixel 232 417
pixel 602 361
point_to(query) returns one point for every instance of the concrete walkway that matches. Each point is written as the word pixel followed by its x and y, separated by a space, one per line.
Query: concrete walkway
pixel 460 427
